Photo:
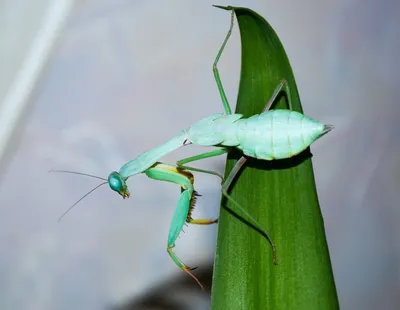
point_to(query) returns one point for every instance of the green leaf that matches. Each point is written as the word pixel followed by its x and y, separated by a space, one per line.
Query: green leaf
pixel 280 194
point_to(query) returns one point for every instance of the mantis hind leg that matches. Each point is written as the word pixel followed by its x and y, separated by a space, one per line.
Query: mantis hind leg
pixel 283 84
pixel 225 102
pixel 225 187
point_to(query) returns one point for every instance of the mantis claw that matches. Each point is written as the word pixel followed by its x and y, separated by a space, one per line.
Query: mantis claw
pixel 187 270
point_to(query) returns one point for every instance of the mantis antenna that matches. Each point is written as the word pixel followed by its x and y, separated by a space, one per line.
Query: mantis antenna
pixel 80 199
pixel 87 194
pixel 79 173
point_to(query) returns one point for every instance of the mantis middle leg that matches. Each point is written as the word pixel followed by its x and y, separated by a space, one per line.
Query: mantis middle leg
pixel 181 163
pixel 225 102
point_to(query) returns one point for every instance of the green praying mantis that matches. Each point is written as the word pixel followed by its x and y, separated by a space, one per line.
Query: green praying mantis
pixel 270 135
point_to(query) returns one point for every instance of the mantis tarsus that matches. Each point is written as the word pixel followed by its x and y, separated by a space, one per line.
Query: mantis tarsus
pixel 270 135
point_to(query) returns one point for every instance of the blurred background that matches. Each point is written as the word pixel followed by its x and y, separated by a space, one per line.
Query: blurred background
pixel 89 85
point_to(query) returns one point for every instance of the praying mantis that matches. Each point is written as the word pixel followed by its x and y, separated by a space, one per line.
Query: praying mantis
pixel 270 135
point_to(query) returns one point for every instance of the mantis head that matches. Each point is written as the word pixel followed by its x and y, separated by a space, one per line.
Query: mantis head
pixel 118 184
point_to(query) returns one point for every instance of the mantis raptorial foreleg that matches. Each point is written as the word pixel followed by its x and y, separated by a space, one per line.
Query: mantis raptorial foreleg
pixel 178 220
pixel 189 218
pixel 202 222
pixel 184 207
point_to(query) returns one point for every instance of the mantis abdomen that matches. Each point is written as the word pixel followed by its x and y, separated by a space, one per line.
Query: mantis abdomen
pixel 275 134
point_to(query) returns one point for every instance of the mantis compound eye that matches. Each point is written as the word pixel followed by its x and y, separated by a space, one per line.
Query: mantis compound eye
pixel 118 184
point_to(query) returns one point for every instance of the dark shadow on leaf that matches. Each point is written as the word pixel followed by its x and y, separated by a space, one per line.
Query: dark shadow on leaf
pixel 177 293
pixel 277 164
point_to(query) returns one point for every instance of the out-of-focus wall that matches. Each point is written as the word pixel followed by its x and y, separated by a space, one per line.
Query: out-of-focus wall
pixel 127 75
pixel 28 33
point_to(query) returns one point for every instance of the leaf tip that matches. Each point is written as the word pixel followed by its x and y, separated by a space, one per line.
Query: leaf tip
pixel 227 8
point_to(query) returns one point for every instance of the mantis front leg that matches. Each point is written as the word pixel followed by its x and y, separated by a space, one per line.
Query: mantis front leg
pixel 184 207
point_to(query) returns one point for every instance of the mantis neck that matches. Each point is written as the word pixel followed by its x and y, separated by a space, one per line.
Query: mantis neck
pixel 150 157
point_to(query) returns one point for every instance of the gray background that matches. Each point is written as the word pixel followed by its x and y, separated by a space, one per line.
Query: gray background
pixel 127 75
